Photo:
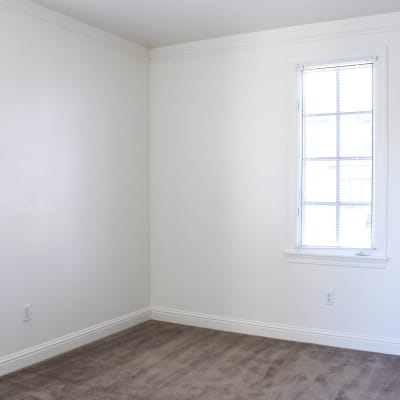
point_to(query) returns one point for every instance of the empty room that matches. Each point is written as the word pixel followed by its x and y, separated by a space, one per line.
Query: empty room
pixel 199 199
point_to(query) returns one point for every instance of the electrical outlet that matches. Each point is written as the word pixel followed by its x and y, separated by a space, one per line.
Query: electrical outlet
pixel 27 313
pixel 329 298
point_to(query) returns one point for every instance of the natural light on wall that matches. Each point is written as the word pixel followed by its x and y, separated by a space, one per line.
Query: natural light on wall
pixel 336 197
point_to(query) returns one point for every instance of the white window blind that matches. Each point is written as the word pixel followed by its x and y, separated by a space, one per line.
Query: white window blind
pixel 336 196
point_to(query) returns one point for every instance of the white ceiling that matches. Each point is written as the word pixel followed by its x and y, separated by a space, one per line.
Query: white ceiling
pixel 155 23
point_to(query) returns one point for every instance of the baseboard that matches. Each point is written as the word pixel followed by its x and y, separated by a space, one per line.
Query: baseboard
pixel 69 342
pixel 33 355
pixel 277 331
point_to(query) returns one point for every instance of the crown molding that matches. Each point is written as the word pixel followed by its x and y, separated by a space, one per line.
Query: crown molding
pixel 64 22
pixel 340 29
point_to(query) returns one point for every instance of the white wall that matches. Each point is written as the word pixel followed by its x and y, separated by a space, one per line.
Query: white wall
pixel 222 137
pixel 74 181
pixel 73 176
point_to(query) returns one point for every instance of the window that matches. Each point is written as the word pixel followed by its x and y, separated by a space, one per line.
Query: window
pixel 337 195
pixel 341 208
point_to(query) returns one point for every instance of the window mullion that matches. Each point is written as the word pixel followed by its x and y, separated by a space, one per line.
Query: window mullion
pixel 300 210
pixel 337 156
pixel 373 177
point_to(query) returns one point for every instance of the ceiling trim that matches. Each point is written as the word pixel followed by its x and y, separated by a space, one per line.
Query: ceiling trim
pixel 64 22
pixel 340 29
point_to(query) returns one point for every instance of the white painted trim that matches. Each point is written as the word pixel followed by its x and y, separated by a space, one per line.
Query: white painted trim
pixel 340 29
pixel 64 22
pixel 74 340
pixel 336 260
pixel 278 331
pixel 33 355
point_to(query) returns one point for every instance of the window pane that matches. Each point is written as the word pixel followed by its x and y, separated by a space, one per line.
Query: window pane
pixel 355 181
pixel 319 90
pixel 320 136
pixel 355 227
pixel 356 135
pixel 319 181
pixel 319 226
pixel 337 123
pixel 356 88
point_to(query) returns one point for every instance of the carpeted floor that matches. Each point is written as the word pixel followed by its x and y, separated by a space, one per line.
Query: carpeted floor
pixel 160 361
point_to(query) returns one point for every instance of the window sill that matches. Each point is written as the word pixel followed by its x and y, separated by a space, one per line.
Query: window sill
pixel 339 260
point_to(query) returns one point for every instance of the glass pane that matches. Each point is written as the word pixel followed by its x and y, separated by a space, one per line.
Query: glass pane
pixel 319 226
pixel 356 88
pixel 355 181
pixel 319 181
pixel 356 135
pixel 355 227
pixel 320 136
pixel 319 88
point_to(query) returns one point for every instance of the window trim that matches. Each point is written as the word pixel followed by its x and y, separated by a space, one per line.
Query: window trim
pixel 376 258
pixel 335 259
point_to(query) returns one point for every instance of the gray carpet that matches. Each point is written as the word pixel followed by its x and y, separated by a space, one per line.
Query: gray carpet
pixel 160 361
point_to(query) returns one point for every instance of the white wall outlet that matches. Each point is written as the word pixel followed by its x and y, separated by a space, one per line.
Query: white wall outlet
pixel 329 298
pixel 27 313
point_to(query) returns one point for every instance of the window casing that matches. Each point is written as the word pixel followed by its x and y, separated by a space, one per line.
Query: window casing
pixel 359 184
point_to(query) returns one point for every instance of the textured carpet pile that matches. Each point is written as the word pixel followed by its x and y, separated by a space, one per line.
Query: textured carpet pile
pixel 161 361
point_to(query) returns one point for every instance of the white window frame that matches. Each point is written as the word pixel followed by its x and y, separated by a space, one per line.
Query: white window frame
pixel 377 257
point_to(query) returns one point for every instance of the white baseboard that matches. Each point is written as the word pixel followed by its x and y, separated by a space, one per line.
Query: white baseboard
pixel 33 355
pixel 277 331
pixel 69 342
